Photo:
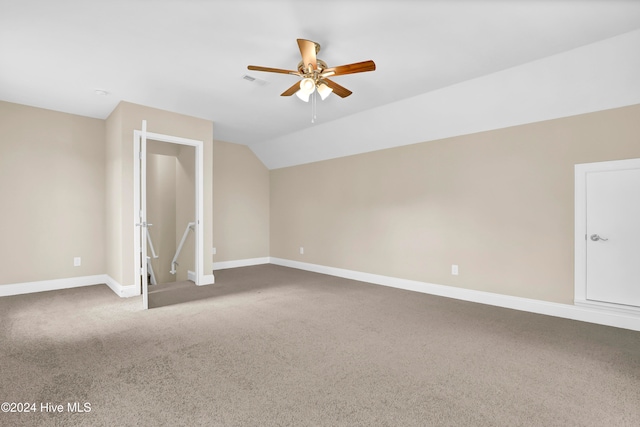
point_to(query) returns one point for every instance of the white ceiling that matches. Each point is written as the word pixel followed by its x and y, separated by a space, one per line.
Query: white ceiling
pixel 189 56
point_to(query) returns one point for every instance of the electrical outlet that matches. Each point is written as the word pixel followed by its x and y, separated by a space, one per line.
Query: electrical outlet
pixel 301 250
pixel 77 261
pixel 454 269
pixel 213 251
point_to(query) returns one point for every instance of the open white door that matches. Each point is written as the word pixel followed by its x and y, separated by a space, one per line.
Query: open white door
pixel 142 224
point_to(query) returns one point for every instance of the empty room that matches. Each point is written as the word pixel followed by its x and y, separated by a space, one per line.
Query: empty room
pixel 337 213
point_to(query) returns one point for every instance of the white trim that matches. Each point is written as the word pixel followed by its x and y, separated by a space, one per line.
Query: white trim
pixel 618 319
pixel 120 290
pixel 207 279
pixel 52 285
pixel 142 264
pixel 240 263
pixel 201 278
pixel 609 307
pixel 191 275
pixel 71 282
pixel 580 233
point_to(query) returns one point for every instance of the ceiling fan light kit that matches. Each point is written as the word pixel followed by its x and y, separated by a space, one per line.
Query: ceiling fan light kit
pixel 304 96
pixel 324 90
pixel 314 73
pixel 307 86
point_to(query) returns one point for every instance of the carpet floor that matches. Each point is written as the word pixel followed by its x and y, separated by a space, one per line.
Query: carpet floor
pixel 274 346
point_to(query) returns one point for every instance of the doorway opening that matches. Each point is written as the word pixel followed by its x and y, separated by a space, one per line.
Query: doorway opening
pixel 170 212
pixel 168 189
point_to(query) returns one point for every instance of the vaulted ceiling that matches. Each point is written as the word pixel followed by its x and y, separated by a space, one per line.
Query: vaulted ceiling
pixel 191 56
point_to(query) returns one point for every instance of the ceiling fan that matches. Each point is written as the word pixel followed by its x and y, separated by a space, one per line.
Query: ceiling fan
pixel 314 73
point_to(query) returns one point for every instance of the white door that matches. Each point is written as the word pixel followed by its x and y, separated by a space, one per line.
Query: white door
pixel 613 236
pixel 143 216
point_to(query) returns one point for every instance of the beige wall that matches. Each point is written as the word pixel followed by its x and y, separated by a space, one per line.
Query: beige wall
pixel 113 194
pixel 52 186
pixel 241 203
pixel 499 204
pixel 161 207
pixel 66 183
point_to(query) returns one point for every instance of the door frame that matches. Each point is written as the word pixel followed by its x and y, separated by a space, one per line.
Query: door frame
pixel 580 233
pixel 139 155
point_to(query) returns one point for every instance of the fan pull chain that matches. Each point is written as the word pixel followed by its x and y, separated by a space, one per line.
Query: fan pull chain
pixel 314 106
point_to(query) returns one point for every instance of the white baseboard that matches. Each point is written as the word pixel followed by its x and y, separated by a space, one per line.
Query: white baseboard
pixel 121 290
pixel 240 263
pixel 191 275
pixel 207 279
pixel 584 314
pixel 599 315
pixel 51 285
pixel 604 306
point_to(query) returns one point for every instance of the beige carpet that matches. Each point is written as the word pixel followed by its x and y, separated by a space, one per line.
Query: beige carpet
pixel 273 346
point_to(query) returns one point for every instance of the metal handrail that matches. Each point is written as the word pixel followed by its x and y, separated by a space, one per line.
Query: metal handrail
pixel 174 262
pixel 151 273
pixel 153 251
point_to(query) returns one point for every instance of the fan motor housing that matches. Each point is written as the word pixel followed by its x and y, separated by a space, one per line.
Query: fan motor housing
pixel 321 65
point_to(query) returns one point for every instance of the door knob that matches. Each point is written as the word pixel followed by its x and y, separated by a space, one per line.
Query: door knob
pixel 595 238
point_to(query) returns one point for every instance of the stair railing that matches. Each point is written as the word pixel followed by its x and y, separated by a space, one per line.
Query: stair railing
pixel 155 256
pixel 174 263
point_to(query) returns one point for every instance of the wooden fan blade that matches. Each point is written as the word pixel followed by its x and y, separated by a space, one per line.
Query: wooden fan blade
pixel 358 67
pixel 341 91
pixel 293 89
pixel 272 70
pixel 308 52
